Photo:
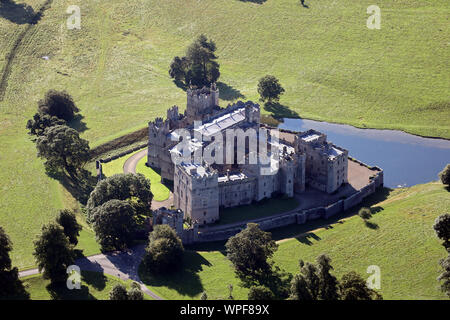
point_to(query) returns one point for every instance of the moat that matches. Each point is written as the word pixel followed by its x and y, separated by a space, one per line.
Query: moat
pixel 406 159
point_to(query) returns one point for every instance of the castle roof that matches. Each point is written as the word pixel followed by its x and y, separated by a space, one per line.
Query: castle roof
pixel 221 123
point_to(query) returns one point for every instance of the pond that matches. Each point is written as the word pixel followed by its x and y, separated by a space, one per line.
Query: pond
pixel 406 159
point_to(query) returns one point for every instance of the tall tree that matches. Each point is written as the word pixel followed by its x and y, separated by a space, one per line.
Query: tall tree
pixel 444 277
pixel 165 250
pixel 53 253
pixel 68 221
pixel 269 88
pixel 353 287
pixel 250 251
pixel 328 284
pixel 63 148
pixel 10 285
pixel 114 225
pixel 59 104
pixel 134 188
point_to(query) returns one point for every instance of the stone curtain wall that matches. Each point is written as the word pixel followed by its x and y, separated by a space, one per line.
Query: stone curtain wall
pixel 298 217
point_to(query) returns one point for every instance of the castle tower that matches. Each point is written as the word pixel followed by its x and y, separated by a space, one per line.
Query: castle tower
pixel 201 102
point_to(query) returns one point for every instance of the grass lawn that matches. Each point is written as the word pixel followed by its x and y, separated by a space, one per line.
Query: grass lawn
pixel 255 211
pixel 332 66
pixel 94 286
pixel 403 244
pixel 160 191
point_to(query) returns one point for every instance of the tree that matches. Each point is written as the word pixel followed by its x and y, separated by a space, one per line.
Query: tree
pixel 260 293
pixel 249 251
pixel 42 121
pixel 63 148
pixel 328 284
pixel 118 292
pixel 269 88
pixel 114 225
pixel 134 188
pixel 165 250
pixel 353 287
pixel 315 282
pixel 442 228
pixel 444 175
pixel 68 221
pixel 53 253
pixel 58 104
pixel 199 67
pixel 204 296
pixel 178 68
pixel 10 285
pixel 365 213
pixel 445 275
pixel 135 293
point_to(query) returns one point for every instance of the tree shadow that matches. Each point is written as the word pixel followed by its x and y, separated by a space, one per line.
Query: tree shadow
pixel 97 280
pixel 371 225
pixel 279 111
pixel 18 13
pixel 61 292
pixel 80 188
pixel 78 124
pixel 229 93
pixel 185 281
pixel 304 5
pixel 310 235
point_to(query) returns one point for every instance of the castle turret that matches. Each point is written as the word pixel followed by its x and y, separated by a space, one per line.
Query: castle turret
pixel 201 103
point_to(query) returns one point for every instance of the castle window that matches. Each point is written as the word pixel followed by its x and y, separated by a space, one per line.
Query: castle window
pixel 204 213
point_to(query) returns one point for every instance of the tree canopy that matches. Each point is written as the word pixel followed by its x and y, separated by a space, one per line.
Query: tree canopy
pixel 444 175
pixel 250 250
pixel 260 293
pixel 269 88
pixel 199 67
pixel 59 104
pixel 114 224
pixel 134 188
pixel 68 221
pixel 42 121
pixel 10 285
pixel 353 287
pixel 165 250
pixel 53 253
pixel 63 148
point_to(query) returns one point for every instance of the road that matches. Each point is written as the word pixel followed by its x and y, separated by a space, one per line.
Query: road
pixel 121 264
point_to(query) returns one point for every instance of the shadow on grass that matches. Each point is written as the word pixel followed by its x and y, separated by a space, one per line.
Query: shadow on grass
pixel 80 188
pixel 229 93
pixel 18 13
pixel 61 292
pixel 254 1
pixel 97 280
pixel 371 225
pixel 279 111
pixel 310 235
pixel 185 281
pixel 78 124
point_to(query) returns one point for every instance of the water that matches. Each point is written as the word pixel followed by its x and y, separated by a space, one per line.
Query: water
pixel 406 159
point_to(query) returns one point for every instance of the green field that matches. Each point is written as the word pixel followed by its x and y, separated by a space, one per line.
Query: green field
pixel 94 286
pixel 403 244
pixel 332 67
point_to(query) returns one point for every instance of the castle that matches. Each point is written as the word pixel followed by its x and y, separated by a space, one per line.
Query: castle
pixel 201 187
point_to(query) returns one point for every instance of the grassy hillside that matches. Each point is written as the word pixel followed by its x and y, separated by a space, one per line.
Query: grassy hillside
pixel 332 67
pixel 403 244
